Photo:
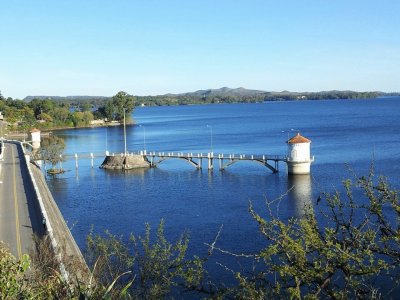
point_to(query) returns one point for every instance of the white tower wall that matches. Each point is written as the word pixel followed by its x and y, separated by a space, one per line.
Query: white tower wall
pixel 35 136
pixel 299 155
pixel 299 152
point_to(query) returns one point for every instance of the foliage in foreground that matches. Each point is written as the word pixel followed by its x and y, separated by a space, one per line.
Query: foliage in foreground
pixel 150 270
pixel 12 275
pixel 140 269
pixel 346 253
pixel 343 249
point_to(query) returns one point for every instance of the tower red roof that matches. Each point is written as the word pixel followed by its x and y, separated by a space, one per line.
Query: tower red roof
pixel 298 139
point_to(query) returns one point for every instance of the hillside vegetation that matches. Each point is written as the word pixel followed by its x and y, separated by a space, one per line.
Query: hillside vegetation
pixel 222 95
pixel 47 113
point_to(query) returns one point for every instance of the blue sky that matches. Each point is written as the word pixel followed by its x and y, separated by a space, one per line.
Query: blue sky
pixel 154 47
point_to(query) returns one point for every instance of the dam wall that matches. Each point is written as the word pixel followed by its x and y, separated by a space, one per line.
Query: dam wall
pixel 62 242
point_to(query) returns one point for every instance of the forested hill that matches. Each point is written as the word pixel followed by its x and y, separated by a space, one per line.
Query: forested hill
pixel 242 95
pixel 100 100
pixel 222 95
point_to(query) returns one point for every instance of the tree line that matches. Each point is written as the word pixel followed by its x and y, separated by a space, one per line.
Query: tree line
pixel 60 112
pixel 215 97
pixel 50 114
pixel 193 98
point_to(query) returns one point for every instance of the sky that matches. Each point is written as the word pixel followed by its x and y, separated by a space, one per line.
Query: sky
pixel 152 47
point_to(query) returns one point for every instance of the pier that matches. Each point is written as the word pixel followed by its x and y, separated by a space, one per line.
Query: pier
pixel 224 160
pixel 221 160
pixel 298 159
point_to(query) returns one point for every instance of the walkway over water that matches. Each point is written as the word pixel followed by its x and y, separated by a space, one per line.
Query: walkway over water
pixel 195 159
pixel 224 160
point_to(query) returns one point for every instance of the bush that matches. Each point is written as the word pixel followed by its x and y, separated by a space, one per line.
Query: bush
pixel 344 251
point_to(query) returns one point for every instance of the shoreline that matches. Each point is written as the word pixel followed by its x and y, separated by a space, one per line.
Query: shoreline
pixel 47 131
pixel 89 126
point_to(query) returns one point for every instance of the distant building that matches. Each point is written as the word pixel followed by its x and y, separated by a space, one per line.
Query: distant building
pixel 97 122
pixel 35 136
pixel 1 117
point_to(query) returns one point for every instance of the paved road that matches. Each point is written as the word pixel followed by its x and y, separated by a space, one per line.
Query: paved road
pixel 20 218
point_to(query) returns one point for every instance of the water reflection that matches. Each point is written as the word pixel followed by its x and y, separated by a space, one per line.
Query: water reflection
pixel 300 193
pixel 136 173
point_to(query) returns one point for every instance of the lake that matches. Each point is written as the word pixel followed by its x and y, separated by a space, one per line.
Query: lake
pixel 345 134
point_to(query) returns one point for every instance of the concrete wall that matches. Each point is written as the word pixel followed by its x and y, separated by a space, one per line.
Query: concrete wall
pixel 62 242
pixel 1 150
pixel 297 168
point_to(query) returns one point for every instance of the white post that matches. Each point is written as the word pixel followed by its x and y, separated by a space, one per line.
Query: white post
pixel 124 133
pixel 210 161
pixel 91 155
pixel 76 160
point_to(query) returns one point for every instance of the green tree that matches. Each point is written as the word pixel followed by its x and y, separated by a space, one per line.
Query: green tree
pixel 77 118
pixel 109 111
pixel 45 117
pixel 85 106
pixel 87 117
pixel 43 106
pixel 52 150
pixel 61 115
pixel 114 108
pixel 123 101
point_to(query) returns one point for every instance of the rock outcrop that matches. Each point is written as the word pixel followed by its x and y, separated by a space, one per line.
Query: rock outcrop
pixel 131 161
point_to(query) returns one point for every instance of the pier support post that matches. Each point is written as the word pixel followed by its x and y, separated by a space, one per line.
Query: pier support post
pixel 91 156
pixel 76 161
pixel 210 161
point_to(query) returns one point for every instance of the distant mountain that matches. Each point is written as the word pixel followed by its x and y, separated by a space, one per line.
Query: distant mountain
pixel 225 91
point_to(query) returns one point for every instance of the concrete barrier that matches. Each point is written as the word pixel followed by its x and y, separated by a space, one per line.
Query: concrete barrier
pixel 1 150
pixel 53 241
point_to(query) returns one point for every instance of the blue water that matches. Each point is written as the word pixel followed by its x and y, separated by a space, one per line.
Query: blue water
pixel 345 134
